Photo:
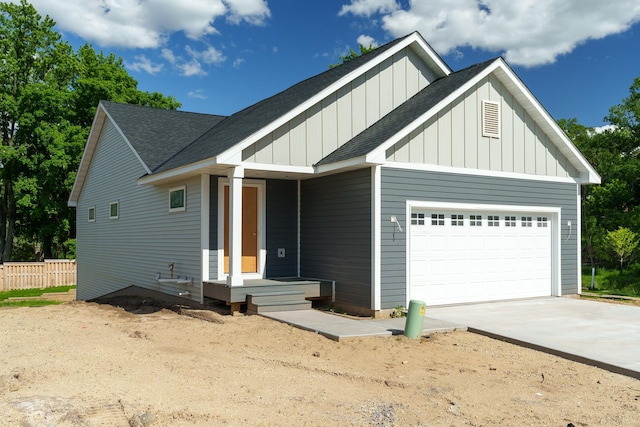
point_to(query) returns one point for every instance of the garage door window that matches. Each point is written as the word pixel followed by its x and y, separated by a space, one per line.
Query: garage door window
pixel 417 219
pixel 509 221
pixel 437 219
pixel 457 220
pixel 543 222
pixel 526 221
pixel 475 220
pixel 493 221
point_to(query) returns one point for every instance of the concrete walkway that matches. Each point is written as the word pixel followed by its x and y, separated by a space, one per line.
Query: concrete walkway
pixel 338 327
pixel 595 333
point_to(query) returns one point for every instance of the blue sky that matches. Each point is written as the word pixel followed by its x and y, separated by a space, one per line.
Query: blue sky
pixel 578 57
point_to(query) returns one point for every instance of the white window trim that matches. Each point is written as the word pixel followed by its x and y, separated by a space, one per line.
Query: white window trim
pixel 117 203
pixel 91 208
pixel 182 208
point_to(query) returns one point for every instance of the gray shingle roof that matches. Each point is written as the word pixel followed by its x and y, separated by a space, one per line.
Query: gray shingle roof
pixel 244 123
pixel 398 119
pixel 157 134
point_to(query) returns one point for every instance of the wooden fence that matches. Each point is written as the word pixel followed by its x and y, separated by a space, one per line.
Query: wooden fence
pixel 41 275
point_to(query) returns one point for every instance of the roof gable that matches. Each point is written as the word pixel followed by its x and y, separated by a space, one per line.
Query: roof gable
pixel 152 133
pixel 241 129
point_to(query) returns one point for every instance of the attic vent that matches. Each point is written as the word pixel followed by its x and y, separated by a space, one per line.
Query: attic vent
pixel 490 119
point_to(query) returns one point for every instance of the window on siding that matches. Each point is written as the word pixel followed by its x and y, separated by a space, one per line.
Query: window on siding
pixel 475 220
pixel 526 221
pixel 91 215
pixel 437 219
pixel 178 199
pixel 490 119
pixel 493 221
pixel 114 210
pixel 417 218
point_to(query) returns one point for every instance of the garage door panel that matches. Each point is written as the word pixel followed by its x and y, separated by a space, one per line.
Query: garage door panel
pixel 456 262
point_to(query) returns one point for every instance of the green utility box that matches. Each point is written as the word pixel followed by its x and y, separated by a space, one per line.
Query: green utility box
pixel 415 317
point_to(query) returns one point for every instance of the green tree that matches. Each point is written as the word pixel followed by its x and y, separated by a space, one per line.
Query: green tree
pixel 353 55
pixel 48 97
pixel 623 243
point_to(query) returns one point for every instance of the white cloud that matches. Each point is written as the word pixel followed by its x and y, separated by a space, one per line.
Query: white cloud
pixel 238 62
pixel 197 94
pixel 252 11
pixel 367 41
pixel 526 32
pixel 193 68
pixel 147 24
pixel 369 7
pixel 142 63
pixel 209 56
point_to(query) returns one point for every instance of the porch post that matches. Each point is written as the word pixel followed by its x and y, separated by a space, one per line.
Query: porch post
pixel 235 226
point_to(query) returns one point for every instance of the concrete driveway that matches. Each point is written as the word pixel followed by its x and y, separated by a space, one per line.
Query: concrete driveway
pixel 596 333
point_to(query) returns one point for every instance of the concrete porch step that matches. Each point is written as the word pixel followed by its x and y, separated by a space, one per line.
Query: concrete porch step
pixel 267 302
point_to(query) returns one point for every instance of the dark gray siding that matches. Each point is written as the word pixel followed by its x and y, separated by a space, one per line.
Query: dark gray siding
pixel 400 185
pixel 282 228
pixel 114 254
pixel 336 234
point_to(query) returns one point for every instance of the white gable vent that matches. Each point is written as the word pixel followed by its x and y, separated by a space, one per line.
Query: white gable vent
pixel 490 119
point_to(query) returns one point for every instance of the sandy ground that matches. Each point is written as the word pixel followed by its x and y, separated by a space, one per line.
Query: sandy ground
pixel 88 364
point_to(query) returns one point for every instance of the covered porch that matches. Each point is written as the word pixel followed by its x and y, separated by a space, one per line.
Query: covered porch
pixel 275 294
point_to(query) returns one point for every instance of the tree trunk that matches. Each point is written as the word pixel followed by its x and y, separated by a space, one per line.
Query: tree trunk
pixel 10 222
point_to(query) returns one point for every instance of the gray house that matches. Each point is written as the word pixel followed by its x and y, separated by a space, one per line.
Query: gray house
pixel 385 179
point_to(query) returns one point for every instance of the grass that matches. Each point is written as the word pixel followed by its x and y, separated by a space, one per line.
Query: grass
pixel 18 293
pixel 613 282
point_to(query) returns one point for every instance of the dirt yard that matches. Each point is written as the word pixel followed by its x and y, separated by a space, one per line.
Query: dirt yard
pixel 88 364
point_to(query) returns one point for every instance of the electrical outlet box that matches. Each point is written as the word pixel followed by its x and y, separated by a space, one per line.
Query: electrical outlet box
pixel 281 253
pixel 394 219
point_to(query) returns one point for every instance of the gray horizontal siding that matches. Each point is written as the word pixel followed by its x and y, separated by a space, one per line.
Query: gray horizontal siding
pixel 336 234
pixel 400 185
pixel 282 228
pixel 114 254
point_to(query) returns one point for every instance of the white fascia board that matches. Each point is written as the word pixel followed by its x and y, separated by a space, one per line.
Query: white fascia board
pixel 480 172
pixel 345 164
pixel 527 99
pixel 236 150
pixel 279 168
pixel 191 168
pixel 87 155
pixel 378 155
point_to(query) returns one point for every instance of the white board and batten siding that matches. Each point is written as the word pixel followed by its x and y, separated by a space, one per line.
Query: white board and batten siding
pixel 116 253
pixel 343 114
pixel 521 148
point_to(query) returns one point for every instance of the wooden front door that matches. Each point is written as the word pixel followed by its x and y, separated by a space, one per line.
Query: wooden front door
pixel 249 229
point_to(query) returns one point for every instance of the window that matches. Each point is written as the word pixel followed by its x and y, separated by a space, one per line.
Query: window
pixel 509 221
pixel 437 219
pixel 475 220
pixel 114 210
pixel 490 119
pixel 493 221
pixel 417 219
pixel 177 199
pixel 92 214
pixel 526 221
pixel 457 220
pixel 543 222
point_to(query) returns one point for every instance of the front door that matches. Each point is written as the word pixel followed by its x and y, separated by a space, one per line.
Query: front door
pixel 249 229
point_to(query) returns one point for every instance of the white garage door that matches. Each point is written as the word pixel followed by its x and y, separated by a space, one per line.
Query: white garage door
pixel 471 256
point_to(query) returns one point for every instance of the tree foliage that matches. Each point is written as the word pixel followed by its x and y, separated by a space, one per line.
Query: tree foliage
pixel 48 97
pixel 353 55
pixel 615 153
pixel 623 244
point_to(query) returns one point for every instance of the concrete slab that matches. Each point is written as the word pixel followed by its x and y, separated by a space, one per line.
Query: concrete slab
pixel 337 327
pixel 597 333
